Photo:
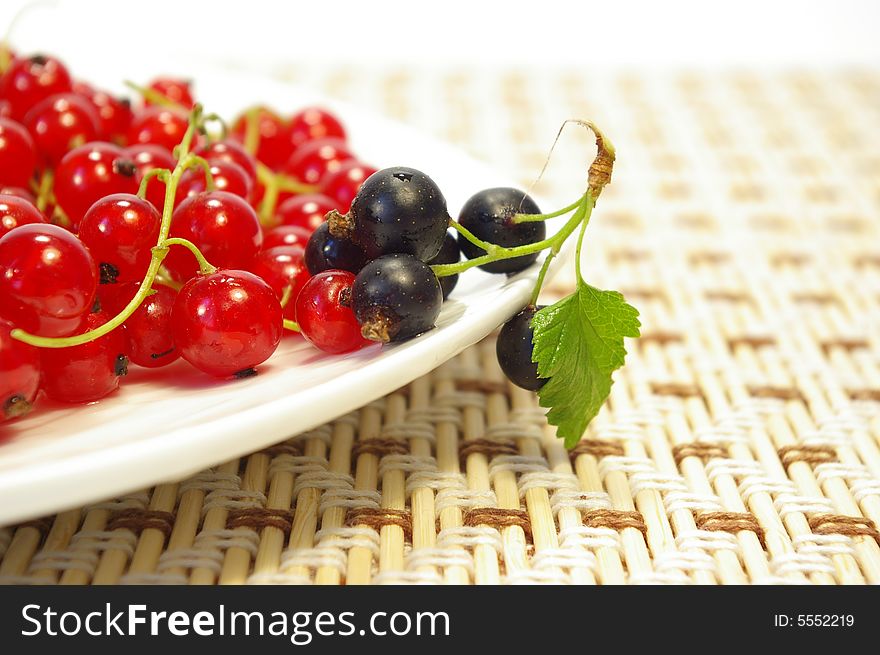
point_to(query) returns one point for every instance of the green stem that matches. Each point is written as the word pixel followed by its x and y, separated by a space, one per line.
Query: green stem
pixel 532 218
pixel 45 189
pixel 153 96
pixel 204 266
pixel 274 183
pixel 470 236
pixel 293 326
pixel 556 241
pixel 185 160
pixel 162 173
pixel 252 130
pixel 536 291
pixel 194 161
pixel 586 221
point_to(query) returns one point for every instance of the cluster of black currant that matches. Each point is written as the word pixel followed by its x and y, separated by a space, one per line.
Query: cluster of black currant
pixel 396 239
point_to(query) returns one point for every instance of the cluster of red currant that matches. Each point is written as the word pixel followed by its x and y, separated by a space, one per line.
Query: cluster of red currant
pixel 94 194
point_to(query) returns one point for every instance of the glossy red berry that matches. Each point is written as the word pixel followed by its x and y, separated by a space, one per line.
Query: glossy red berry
pixel 176 90
pixel 114 114
pixel 227 175
pixel 314 123
pixel 119 230
pixel 90 172
pixel 223 226
pixel 282 267
pixel 343 184
pixel 324 314
pixel 18 192
pixel 88 372
pixel 229 150
pixel 226 323
pixel 286 235
pixel 150 343
pixel 61 123
pixel 162 126
pixel 146 157
pixel 30 80
pixel 19 374
pixel 306 211
pixel 15 211
pixel 274 146
pixel 315 159
pixel 18 154
pixel 49 279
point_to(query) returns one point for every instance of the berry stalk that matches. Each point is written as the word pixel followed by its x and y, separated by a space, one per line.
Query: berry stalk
pixel 185 160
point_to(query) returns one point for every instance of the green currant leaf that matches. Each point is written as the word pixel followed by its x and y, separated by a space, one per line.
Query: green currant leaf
pixel 578 344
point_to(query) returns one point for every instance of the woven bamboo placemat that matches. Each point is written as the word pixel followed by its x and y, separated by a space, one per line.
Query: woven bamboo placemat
pixel 741 443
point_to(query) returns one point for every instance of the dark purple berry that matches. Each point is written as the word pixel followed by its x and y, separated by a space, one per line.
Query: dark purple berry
pixel 326 252
pixel 514 350
pixel 449 254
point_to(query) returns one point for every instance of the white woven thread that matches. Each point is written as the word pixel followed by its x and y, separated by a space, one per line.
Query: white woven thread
pixel 229 499
pixel 823 544
pixel 802 562
pixel 691 502
pixel 138 500
pixel 406 463
pixel 589 537
pixel 564 557
pixel 441 558
pixel 548 480
pixel 706 540
pixel 786 504
pixel 579 500
pixel 685 560
pixel 432 479
pixel 322 480
pixel 349 537
pixel 314 558
pixel 504 431
pixel 463 499
pixel 296 464
pixel 516 464
pixel 209 481
pixel 469 537
pixel 349 499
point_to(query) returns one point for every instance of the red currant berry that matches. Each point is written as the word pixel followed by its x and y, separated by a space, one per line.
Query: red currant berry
pixel 315 159
pixel 274 147
pixel 5 108
pixel 150 343
pixel 223 226
pixel 30 80
pixel 282 267
pixel 146 157
pixel 88 372
pixel 19 374
pixel 324 314
pixel 61 123
pixel 342 184
pixel 314 123
pixel 178 91
pixel 47 274
pixel 230 150
pixel 18 154
pixel 286 235
pixel 15 211
pixel 119 230
pixel 162 126
pixel 89 173
pixel 307 211
pixel 18 192
pixel 227 175
pixel 114 114
pixel 226 323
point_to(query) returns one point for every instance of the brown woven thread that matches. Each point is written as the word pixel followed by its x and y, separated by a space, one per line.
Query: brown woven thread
pixel 487 447
pixel 752 341
pixel 42 525
pixel 782 393
pixel 846 343
pixel 865 394
pixel 628 255
pixel 732 522
pixel 817 298
pixel 695 449
pixel 138 520
pixel 660 337
pixel 680 389
pixel 643 293
pixel 258 518
pixel 867 260
pixel 499 518
pixel 809 454
pixel 481 386
pixel 379 518
pixel 595 447
pixel 789 258
pixel 853 526
pixel 728 296
pixel 283 449
pixel 709 257
pixel 615 519
pixel 379 447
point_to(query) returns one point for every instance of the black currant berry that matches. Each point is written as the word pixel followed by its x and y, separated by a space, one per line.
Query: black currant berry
pixel 395 297
pixel 325 252
pixel 449 254
pixel 514 350
pixel 396 210
pixel 488 215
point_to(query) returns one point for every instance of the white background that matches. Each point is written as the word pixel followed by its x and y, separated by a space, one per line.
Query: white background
pixel 259 34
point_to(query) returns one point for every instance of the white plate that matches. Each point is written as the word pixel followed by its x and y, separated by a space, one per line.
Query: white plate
pixel 169 423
